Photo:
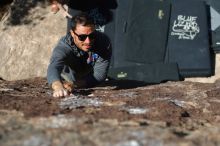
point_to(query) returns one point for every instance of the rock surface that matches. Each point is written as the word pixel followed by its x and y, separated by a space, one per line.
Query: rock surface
pixel 118 113
pixel 28 33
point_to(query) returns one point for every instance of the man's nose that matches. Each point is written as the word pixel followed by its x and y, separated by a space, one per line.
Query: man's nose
pixel 87 40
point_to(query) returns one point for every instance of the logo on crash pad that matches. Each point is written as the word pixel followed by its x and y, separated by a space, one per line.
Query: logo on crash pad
pixel 122 75
pixel 185 27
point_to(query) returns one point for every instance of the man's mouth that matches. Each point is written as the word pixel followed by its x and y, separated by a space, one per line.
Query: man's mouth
pixel 87 45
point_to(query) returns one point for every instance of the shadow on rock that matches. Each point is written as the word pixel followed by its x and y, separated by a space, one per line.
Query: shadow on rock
pixel 19 9
pixel 124 84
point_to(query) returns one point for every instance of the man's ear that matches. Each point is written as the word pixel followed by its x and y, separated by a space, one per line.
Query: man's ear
pixel 71 32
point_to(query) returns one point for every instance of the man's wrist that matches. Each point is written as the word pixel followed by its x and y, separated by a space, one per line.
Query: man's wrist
pixel 69 86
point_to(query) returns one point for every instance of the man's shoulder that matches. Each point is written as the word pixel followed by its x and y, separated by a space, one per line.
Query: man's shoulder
pixel 66 41
pixel 62 45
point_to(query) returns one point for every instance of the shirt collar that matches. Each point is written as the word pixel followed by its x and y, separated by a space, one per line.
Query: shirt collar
pixel 69 40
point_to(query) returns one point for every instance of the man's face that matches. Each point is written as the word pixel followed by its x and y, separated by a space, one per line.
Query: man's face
pixel 83 37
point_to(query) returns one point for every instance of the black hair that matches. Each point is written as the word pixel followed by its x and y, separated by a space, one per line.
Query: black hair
pixel 83 19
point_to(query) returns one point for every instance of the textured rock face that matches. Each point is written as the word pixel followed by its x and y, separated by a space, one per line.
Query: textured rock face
pixel 27 39
pixel 28 33
pixel 168 114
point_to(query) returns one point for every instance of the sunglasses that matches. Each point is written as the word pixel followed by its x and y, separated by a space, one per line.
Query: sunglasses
pixel 82 37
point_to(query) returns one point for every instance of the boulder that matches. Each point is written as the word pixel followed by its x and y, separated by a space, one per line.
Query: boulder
pixel 28 33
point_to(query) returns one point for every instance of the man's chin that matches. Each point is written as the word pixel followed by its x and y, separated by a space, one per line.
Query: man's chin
pixel 86 49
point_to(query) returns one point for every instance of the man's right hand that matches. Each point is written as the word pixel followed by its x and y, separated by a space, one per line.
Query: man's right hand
pixel 60 93
pixel 59 90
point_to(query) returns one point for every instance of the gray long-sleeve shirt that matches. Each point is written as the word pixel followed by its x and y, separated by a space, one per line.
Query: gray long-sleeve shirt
pixel 68 59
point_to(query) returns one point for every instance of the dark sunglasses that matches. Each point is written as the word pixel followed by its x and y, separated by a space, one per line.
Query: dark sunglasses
pixel 82 37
